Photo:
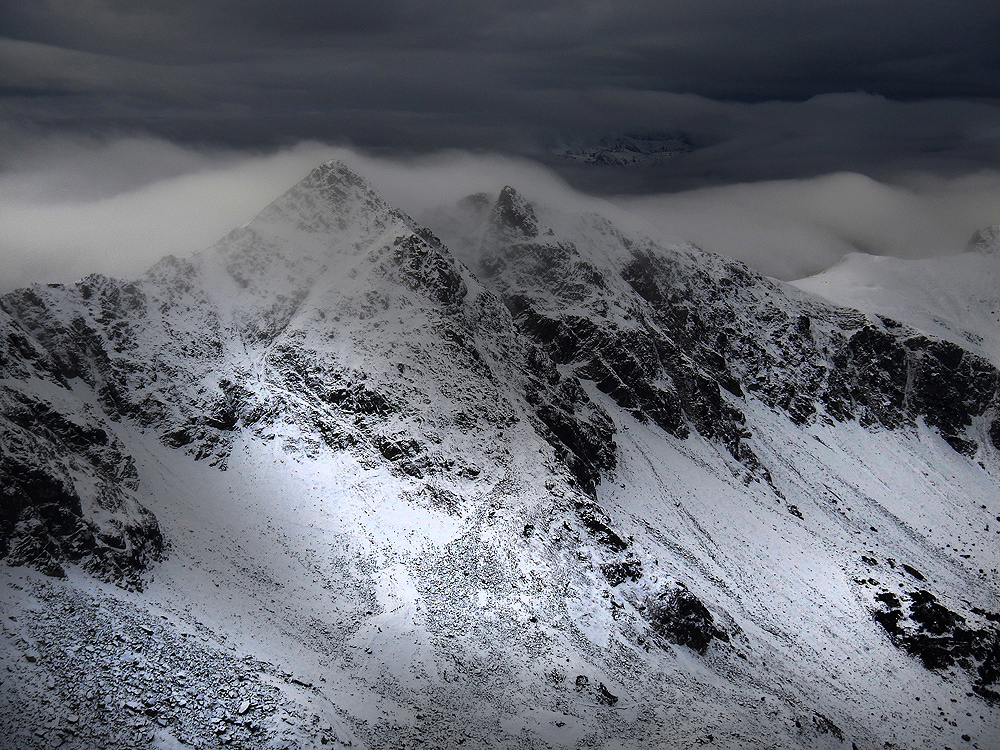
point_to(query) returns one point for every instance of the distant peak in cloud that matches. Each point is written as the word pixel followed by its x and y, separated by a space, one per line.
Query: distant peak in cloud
pixel 985 241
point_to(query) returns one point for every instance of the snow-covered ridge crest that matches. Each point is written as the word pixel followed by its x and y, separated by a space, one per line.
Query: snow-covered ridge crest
pixel 955 298
pixel 328 217
pixel 174 349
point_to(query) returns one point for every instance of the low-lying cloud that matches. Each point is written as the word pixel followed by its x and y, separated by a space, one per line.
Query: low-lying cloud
pixel 69 207
pixel 795 228
pixel 116 208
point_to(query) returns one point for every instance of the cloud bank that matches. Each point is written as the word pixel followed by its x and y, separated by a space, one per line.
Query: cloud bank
pixel 796 228
pixel 69 207
pixel 773 89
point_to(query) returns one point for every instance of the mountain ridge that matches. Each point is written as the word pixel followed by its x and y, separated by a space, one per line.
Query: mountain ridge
pixel 510 500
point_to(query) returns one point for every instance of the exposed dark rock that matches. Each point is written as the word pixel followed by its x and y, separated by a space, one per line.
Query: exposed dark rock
pixel 926 611
pixel 605 696
pixel 42 525
pixel 889 378
pixel 46 456
pixel 682 618
pixel 581 433
pixel 599 525
pixel 619 571
pixel 424 267
pixel 641 273
pixel 870 380
pixel 685 361
pixel 824 725
pixel 950 387
pixel 513 217
pixel 941 638
pixel 991 616
pixel 885 377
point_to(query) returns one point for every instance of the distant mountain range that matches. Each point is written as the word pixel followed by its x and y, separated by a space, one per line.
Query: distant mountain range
pixel 629 150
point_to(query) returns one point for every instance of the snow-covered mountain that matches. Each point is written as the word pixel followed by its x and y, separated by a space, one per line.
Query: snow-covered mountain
pixel 955 297
pixel 553 484
pixel 630 150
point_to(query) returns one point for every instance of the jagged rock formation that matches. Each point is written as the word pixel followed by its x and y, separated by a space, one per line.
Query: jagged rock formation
pixel 68 484
pixel 940 637
pixel 679 338
pixel 682 618
pixel 554 483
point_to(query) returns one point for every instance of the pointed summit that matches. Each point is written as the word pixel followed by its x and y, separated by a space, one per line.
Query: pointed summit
pixel 334 180
pixel 331 213
pixel 330 198
pixel 513 217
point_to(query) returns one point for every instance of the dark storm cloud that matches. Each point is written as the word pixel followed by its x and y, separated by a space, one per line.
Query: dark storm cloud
pixel 522 77
pixel 747 141
pixel 129 129
pixel 764 49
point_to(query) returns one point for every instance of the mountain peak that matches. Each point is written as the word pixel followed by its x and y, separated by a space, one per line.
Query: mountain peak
pixel 328 199
pixel 333 183
pixel 513 217
pixel 695 491
pixel 986 241
pixel 335 173
pixel 330 216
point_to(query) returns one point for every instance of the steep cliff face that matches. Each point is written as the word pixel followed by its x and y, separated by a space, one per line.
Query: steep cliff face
pixel 555 484
pixel 68 484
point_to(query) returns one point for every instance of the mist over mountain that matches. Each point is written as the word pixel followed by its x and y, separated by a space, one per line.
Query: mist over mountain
pixel 71 207
pixel 526 476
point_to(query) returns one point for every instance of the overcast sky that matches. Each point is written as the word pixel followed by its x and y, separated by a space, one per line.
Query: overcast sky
pixel 903 92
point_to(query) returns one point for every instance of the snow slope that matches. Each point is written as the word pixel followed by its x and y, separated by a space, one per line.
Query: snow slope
pixel 576 489
pixel 956 298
